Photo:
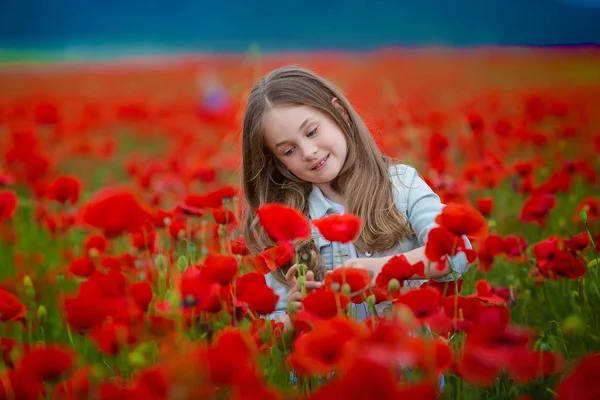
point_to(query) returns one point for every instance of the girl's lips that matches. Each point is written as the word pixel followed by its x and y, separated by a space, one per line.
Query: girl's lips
pixel 321 163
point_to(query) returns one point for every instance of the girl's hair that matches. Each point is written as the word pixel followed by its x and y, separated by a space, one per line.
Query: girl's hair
pixel 363 179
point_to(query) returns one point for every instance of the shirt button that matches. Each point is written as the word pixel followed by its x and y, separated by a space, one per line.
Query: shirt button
pixel 368 254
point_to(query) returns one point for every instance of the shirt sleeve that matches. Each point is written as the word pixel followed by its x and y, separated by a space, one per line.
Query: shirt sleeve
pixel 422 207
pixel 281 291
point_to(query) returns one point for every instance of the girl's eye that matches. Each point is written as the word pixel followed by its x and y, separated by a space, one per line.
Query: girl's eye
pixel 289 152
pixel 313 132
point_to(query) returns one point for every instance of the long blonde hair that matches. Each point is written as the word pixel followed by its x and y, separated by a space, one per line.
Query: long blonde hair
pixel 363 179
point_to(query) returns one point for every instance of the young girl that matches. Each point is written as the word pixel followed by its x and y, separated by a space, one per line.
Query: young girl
pixel 306 147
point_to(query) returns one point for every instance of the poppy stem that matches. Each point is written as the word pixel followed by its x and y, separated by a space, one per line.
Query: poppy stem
pixel 597 256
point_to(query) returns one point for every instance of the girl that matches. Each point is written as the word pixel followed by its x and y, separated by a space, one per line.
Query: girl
pixel 305 146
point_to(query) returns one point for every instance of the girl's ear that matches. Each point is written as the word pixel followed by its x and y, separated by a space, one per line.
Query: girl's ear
pixel 338 105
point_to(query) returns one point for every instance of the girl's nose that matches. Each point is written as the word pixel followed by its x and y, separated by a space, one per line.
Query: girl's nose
pixel 310 152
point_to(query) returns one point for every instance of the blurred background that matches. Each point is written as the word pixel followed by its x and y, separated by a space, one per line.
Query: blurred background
pixel 84 29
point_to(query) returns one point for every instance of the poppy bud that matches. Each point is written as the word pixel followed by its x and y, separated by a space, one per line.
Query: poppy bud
pixel 161 262
pixel 93 252
pixel 42 314
pixel 182 263
pixel 346 289
pixel 393 285
pixel 96 373
pixel 593 263
pixel 291 309
pixel 405 314
pixel 137 360
pixel 371 300
pixel 27 282
pixel 573 324
pixel 173 299
pixel 583 216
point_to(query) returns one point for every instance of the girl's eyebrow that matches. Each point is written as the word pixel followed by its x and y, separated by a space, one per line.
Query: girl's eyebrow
pixel 302 125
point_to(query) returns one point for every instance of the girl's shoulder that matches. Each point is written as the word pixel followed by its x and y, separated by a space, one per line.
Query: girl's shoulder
pixel 405 179
pixel 399 169
pixel 402 175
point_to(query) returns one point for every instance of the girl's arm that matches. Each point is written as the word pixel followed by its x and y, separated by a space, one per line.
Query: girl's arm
pixel 422 207
pixel 374 265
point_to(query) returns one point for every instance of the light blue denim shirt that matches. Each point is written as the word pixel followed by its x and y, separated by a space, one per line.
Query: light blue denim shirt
pixel 417 202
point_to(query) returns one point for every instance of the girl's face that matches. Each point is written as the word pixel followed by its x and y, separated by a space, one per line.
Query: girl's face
pixel 307 141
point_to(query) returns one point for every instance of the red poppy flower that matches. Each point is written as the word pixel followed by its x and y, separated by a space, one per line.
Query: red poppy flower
pixel 231 358
pixel 111 337
pixel 273 258
pixel 114 211
pixel 224 216
pixel 76 387
pixel 492 346
pixel 252 289
pixel 11 308
pixel 400 269
pixel 339 228
pixel 220 268
pixel 144 238
pixel 537 208
pixel 485 205
pixel 6 178
pixel 357 278
pixel 442 243
pixel 266 333
pixel 187 210
pixel 84 311
pixel 324 303
pixel 578 242
pixel 64 189
pixel 238 246
pixel 98 242
pixel 82 267
pixel 383 384
pixel 198 293
pixel 332 345
pixel 8 204
pixel 581 382
pixel 553 262
pixel 528 366
pixel 141 292
pixel 514 246
pixel 492 246
pixel 283 223
pixel 423 302
pixel 486 293
pixel 46 363
pixel 462 219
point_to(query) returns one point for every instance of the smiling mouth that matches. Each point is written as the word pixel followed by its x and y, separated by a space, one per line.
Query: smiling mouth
pixel 320 162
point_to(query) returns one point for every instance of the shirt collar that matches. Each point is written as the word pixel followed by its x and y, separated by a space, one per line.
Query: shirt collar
pixel 318 206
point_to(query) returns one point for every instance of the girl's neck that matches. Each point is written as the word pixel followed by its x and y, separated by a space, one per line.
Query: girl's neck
pixel 332 195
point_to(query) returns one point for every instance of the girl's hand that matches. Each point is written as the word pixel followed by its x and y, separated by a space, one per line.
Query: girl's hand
pixel 373 265
pixel 294 294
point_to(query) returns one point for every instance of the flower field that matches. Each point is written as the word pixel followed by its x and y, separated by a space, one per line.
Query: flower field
pixel 123 273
